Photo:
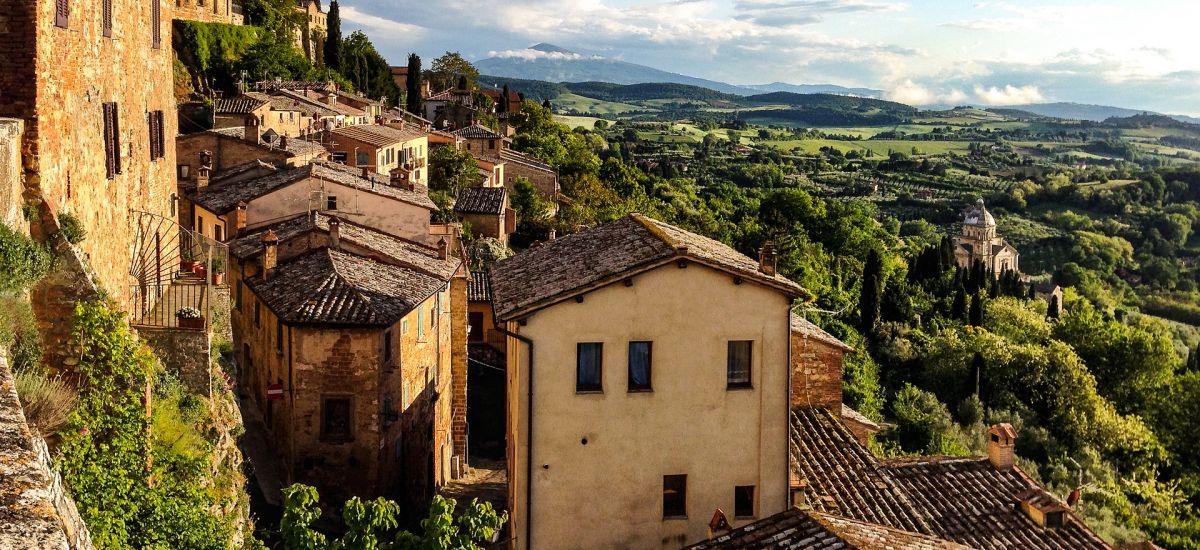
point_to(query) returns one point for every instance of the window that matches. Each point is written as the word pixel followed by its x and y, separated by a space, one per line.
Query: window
pixel 404 326
pixel 279 336
pixel 475 324
pixel 257 313
pixel 199 225
pixel 639 366
pixel 739 364
pixel 362 159
pixel 420 323
pixel 106 18
pixel 331 202
pixel 155 24
pixel 387 346
pixel 173 203
pixel 157 145
pixel 675 496
pixel 335 418
pixel 588 367
pixel 184 171
pixel 218 232
pixel 743 501
pixel 62 13
pixel 112 141
pixel 491 144
pixel 237 296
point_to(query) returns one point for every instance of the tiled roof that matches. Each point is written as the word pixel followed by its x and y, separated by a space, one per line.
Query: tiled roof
pixel 480 200
pixel 509 155
pixel 851 414
pixel 269 85
pixel 796 529
pixel 838 475
pixel 341 108
pixel 329 286
pixel 479 289
pixel 238 105
pixel 476 131
pixel 359 98
pixel 970 501
pixel 294 145
pixel 377 135
pixel 605 254
pixel 222 196
pixel 806 328
pixel 447 95
pixel 320 107
pixel 393 249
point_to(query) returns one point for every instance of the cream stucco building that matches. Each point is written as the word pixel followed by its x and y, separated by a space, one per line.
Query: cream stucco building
pixel 647 387
pixel 979 243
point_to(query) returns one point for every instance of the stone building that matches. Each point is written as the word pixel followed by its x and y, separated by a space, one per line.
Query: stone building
pixel 978 242
pixel 209 11
pixel 94 89
pixel 224 206
pixel 543 176
pixel 398 150
pixel 277 114
pixel 310 34
pixel 480 140
pixel 353 328
pixel 227 149
pixel 487 211
pixel 817 366
pixel 648 374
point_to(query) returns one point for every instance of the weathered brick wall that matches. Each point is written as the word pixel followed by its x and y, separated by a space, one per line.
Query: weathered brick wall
pixel 458 366
pixel 816 373
pixel 37 511
pixel 227 152
pixel 545 182
pixel 207 11
pixel 185 352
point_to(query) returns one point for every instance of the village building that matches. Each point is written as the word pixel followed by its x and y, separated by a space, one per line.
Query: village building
pixel 514 100
pixel 450 109
pixel 344 342
pixel 798 528
pixel 480 140
pixel 228 12
pixel 396 150
pixel 311 33
pixel 224 206
pixel 277 114
pixel 647 369
pixel 1052 294
pixel 487 211
pixel 978 242
pixel 817 372
pixel 224 150
pixel 543 176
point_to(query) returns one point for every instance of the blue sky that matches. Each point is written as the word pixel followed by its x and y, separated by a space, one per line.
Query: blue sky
pixel 1125 53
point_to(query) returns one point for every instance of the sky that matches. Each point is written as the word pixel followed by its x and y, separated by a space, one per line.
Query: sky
pixel 1136 54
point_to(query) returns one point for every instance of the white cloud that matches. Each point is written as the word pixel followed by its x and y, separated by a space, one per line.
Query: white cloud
pixel 530 54
pixel 911 93
pixel 1008 95
pixel 349 13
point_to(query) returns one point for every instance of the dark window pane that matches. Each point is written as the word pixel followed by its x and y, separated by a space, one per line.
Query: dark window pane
pixel 675 496
pixel 639 365
pixel 475 321
pixel 387 347
pixel 587 368
pixel 335 417
pixel 743 501
pixel 739 363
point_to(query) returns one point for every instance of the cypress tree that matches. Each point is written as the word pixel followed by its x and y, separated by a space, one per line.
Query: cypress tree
pixel 333 38
pixel 1055 309
pixel 976 310
pixel 546 104
pixel 502 106
pixel 1032 292
pixel 959 309
pixel 871 293
pixel 412 87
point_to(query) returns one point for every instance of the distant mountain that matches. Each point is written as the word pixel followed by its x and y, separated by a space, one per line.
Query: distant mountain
pixel 651 90
pixel 552 63
pixel 1097 113
pixel 815 89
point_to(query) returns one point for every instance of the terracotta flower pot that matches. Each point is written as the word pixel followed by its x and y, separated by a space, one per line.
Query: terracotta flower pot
pixel 218 278
pixel 190 323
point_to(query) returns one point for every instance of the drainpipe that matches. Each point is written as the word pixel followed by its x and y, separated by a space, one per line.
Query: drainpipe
pixel 787 416
pixel 529 436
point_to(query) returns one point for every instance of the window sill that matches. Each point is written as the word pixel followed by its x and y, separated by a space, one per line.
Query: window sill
pixel 746 518
pixel 674 518
pixel 640 390
pixel 589 392
pixel 338 439
pixel 733 387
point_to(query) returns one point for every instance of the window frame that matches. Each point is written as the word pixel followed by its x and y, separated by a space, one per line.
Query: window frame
pixel 737 502
pixel 598 387
pixel 748 383
pixel 278 336
pixel 649 385
pixel 331 202
pixel 682 507
pixel 387 347
pixel 112 139
pixel 325 435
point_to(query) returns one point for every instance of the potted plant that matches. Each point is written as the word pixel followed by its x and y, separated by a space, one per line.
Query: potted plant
pixel 218 271
pixel 189 317
pixel 187 260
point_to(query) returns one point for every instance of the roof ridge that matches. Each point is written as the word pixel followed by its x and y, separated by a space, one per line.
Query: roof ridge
pixel 366 300
pixel 658 232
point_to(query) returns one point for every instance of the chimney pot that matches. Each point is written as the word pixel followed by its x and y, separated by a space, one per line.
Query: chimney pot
pixel 1002 439
pixel 270 253
pixel 283 142
pixel 239 218
pixel 442 248
pixel 366 172
pixel 767 259
pixel 335 233
pixel 202 176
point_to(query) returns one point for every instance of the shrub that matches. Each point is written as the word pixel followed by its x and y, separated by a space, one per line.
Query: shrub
pixel 22 260
pixel 48 402
pixel 72 229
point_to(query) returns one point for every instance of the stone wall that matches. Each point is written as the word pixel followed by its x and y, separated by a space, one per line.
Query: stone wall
pixel 208 11
pixel 55 296
pixel 183 352
pixel 11 187
pixel 458 370
pixel 816 373
pixel 35 509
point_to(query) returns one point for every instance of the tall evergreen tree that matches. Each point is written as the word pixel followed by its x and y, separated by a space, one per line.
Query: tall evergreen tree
pixel 546 104
pixel 870 294
pixel 502 106
pixel 333 38
pixel 412 87
pixel 1055 309
pixel 976 310
pixel 959 309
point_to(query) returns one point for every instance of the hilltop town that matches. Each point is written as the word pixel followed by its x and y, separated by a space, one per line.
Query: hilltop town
pixel 262 288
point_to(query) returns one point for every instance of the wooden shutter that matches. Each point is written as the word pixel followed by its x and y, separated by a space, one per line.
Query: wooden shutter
pixel 110 168
pixel 106 17
pixel 162 144
pixel 62 13
pixel 152 123
pixel 156 23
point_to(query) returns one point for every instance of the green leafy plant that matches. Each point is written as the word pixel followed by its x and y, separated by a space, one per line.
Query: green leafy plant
pixel 72 229
pixel 48 401
pixel 22 260
pixel 188 313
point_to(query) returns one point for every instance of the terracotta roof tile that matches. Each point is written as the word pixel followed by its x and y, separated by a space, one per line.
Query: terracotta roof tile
pixel 476 131
pixel 479 289
pixel 222 196
pixel 607 253
pixel 237 105
pixel 797 529
pixel 480 200
pixel 377 135
pixel 294 146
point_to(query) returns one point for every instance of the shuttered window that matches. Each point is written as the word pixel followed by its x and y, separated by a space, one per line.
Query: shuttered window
pixel 157 144
pixel 106 17
pixel 156 23
pixel 62 13
pixel 112 140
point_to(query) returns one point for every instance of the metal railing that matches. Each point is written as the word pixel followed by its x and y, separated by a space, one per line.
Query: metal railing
pixel 174 269
pixel 162 305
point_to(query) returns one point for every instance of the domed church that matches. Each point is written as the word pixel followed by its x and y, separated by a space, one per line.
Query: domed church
pixel 979 243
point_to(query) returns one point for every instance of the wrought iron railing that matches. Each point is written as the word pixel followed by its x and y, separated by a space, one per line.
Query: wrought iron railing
pixel 174 270
pixel 180 305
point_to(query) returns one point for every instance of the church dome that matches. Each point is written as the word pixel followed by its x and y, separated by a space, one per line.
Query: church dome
pixel 978 215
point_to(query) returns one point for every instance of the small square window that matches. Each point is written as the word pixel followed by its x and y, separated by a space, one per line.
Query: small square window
pixel 336 415
pixel 257 313
pixel 387 346
pixel 331 202
pixel 278 336
pixel 675 496
pixel 639 365
pixel 743 501
pixel 588 367
pixel 184 171
pixel 738 374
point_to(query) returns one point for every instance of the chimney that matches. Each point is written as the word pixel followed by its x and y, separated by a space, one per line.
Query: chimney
pixel 552 235
pixel 270 253
pixel 283 142
pixel 400 179
pixel 202 178
pixel 366 172
pixel 335 233
pixel 331 99
pixel 250 133
pixel 442 248
pixel 239 218
pixel 767 258
pixel 1002 438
